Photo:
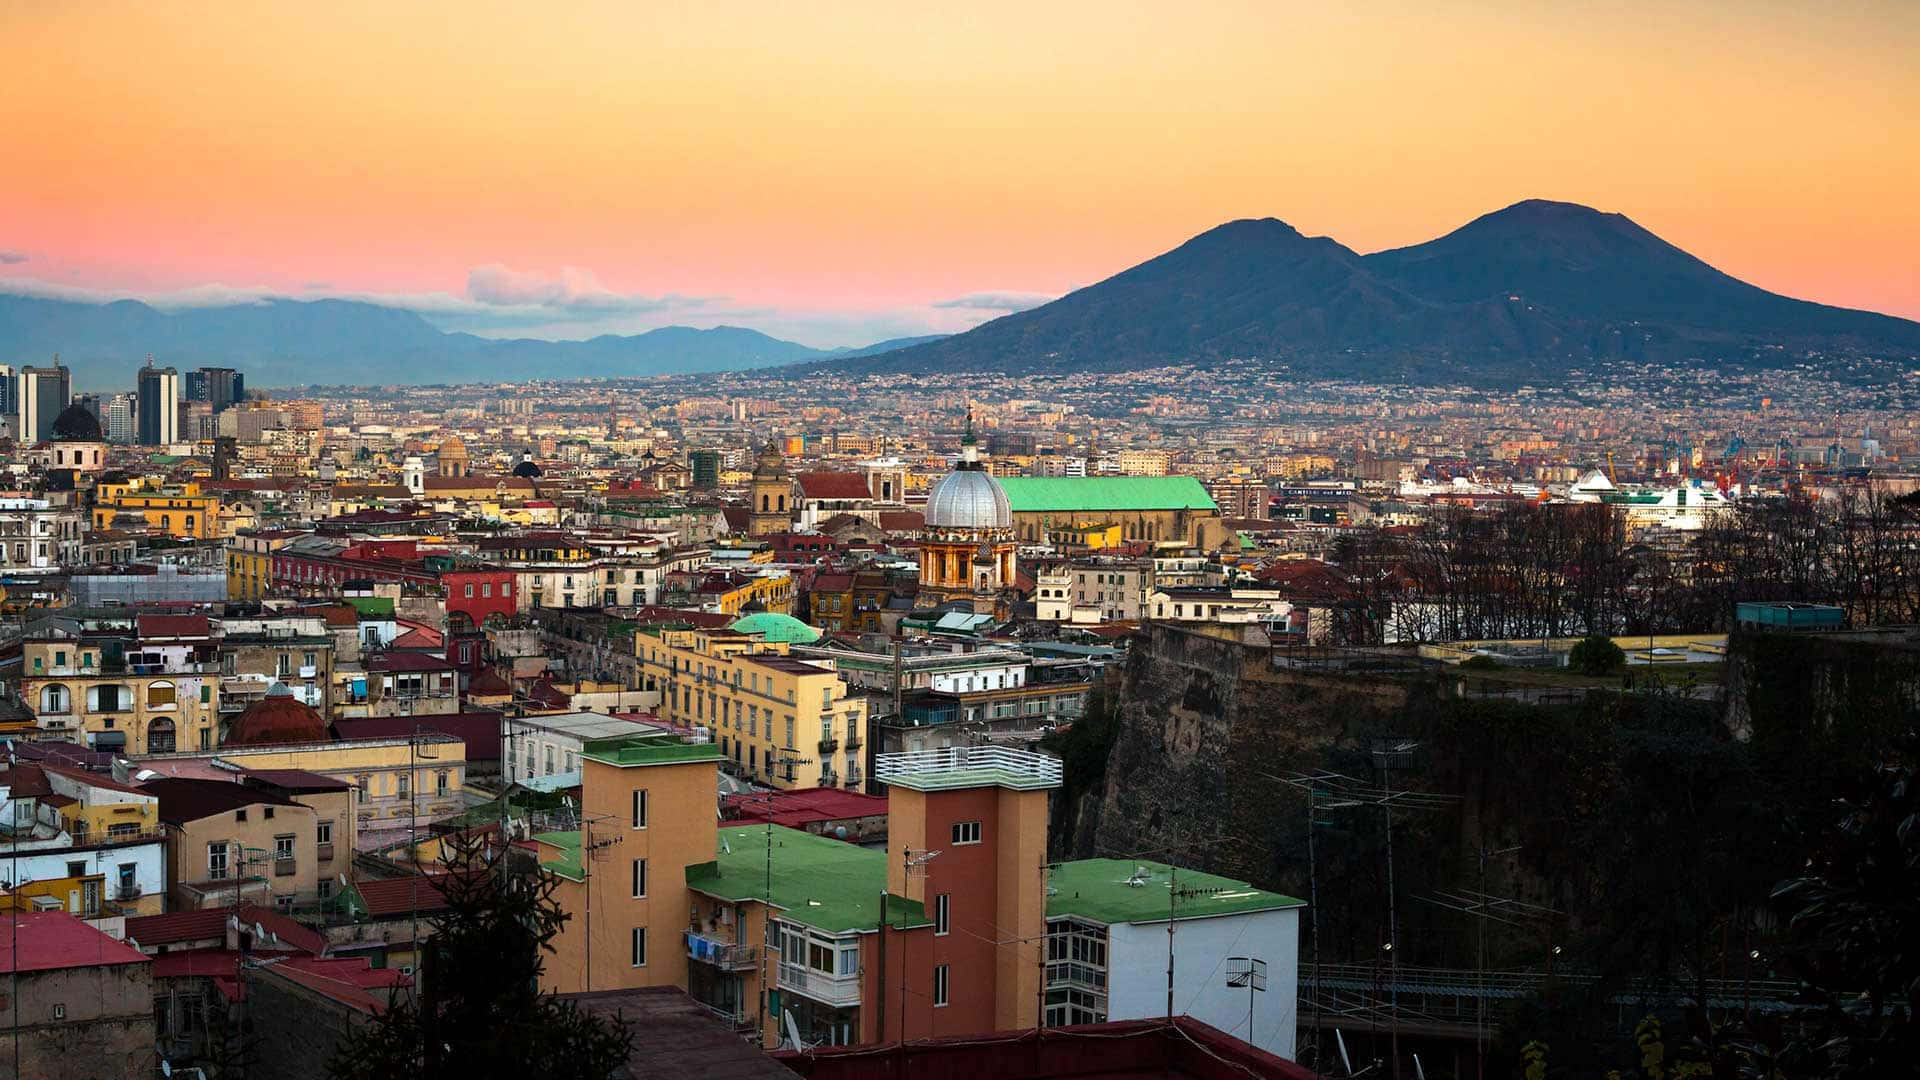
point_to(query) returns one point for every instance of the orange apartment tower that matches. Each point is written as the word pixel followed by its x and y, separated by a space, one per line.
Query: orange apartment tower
pixel 967 848
pixel 646 814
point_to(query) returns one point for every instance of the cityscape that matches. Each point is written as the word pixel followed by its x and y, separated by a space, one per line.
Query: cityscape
pixel 1195 649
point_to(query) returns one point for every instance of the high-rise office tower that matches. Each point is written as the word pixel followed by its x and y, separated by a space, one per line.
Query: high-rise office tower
pixel 217 386
pixel 159 408
pixel 41 394
pixel 119 419
pixel 9 392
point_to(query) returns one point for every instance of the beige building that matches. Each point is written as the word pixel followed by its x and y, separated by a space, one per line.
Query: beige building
pixel 784 721
pixel 231 843
pixel 153 687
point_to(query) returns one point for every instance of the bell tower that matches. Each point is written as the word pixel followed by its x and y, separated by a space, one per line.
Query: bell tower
pixel 771 495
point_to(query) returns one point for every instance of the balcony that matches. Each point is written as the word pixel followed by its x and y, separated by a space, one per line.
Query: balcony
pixel 324 852
pixel 829 744
pixel 126 892
pixel 853 742
pixel 283 867
pixel 837 990
pixel 725 955
pixel 854 778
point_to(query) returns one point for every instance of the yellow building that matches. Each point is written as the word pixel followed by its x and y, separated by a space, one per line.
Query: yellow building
pixel 99 692
pixel 647 805
pixel 173 510
pixel 394 782
pixel 250 561
pixel 785 721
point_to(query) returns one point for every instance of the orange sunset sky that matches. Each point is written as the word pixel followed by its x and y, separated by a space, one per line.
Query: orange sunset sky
pixel 841 172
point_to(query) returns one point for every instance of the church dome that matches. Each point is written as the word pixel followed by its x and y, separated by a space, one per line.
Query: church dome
pixel 277 718
pixel 527 470
pixel 76 424
pixel 968 499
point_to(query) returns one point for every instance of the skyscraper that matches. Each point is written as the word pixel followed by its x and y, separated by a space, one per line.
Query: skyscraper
pixel 159 408
pixel 119 420
pixel 217 386
pixel 41 394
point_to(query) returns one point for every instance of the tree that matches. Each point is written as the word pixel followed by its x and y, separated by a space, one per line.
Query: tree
pixel 481 1014
pixel 1596 654
pixel 1855 916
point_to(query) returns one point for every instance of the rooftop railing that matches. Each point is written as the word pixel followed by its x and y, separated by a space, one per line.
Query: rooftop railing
pixel 968 767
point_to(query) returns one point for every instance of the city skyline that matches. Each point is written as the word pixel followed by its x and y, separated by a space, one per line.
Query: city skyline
pixel 844 177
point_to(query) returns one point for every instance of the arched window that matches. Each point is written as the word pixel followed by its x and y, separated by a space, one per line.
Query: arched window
pixel 160 695
pixel 160 737
pixel 764 504
pixel 55 699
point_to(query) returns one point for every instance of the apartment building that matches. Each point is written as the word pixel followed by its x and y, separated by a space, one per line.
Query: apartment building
pixel 785 721
pixel 647 814
pixel 171 510
pixel 536 747
pixel 113 682
pixel 231 843
pixel 37 536
pixel 93 846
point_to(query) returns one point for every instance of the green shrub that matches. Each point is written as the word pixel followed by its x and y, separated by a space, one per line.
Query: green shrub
pixel 1596 654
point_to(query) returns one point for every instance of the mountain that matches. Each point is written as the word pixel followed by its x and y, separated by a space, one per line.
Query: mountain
pixel 295 342
pixel 1524 292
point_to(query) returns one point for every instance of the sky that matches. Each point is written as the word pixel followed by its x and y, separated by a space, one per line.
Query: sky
pixel 842 172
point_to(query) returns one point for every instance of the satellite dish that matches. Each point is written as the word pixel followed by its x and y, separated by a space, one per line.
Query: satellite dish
pixel 143 776
pixel 725 848
pixel 840 832
pixel 793 1030
pixel 166 1067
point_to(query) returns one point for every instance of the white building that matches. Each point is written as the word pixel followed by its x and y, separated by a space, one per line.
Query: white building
pixel 36 536
pixel 532 747
pixel 1107 949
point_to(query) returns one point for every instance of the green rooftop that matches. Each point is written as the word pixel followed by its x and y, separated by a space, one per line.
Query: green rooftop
pixel 827 884
pixel 1097 890
pixel 635 750
pixel 568 864
pixel 1096 494
pixel 378 606
pixel 776 627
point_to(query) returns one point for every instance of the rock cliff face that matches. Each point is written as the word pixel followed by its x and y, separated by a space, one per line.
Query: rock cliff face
pixel 1203 722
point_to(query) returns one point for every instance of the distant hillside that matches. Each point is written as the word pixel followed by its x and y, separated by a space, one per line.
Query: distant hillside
pixel 294 342
pixel 1522 292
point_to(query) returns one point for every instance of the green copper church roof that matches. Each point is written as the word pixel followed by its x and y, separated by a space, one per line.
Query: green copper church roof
pixel 777 627
pixel 1097 494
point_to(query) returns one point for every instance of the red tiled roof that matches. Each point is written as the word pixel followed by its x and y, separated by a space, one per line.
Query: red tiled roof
pixel 387 898
pixel 50 940
pixel 903 520
pixel 183 800
pixel 294 780
pixel 26 781
pixel 795 809
pixel 479 729
pixel 346 993
pixel 165 626
pixel 834 485
pixel 401 660
pixel 205 924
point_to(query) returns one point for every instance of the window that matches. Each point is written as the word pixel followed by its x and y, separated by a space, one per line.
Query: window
pixel 506 588
pixel 77 868
pixel 323 833
pixel 639 946
pixel 966 832
pixel 941 914
pixel 326 888
pixel 283 846
pixel 159 694
pixel 217 860
pixel 486 590
pixel 239 815
pixel 440 784
pixel 469 590
pixel 310 660
pixel 206 693
pixel 360 785
pixel 939 985
pixel 404 784
pixel 639 808
pixel 639 879
pixel 53 699
pixel 267 813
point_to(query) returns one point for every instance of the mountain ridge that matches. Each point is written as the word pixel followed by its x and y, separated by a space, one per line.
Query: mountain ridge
pixel 281 342
pixel 1520 292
